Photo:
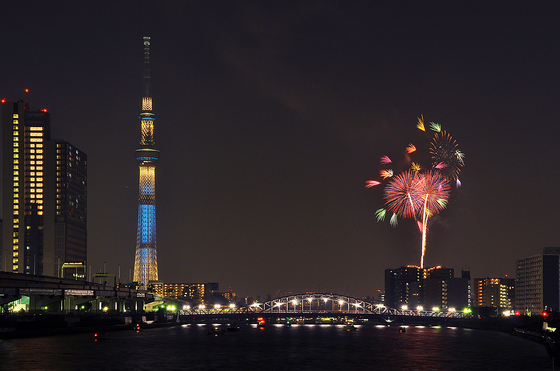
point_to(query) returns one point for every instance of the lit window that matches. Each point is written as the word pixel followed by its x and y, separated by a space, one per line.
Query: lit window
pixel 15 116
pixel 36 128
pixel 39 212
pixel 36 134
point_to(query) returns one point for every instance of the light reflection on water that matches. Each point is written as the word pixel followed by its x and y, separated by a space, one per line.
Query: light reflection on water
pixel 279 347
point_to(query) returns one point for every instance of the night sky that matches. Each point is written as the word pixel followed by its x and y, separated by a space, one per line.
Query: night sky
pixel 271 116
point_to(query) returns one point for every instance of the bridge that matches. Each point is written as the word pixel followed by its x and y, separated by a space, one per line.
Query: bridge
pixel 319 304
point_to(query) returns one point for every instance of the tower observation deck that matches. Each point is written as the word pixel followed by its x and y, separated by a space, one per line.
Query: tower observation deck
pixel 145 262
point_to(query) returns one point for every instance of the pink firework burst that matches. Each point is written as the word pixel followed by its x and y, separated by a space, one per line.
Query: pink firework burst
pixel 434 191
pixel 402 194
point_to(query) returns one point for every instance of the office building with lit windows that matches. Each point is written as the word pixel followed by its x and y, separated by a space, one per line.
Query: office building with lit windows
pixel 432 288
pixel 537 282
pixel 494 292
pixel 65 220
pixel 44 195
pixel 195 292
pixel 403 287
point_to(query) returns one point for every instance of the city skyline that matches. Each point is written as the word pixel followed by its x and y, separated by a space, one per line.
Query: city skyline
pixel 271 117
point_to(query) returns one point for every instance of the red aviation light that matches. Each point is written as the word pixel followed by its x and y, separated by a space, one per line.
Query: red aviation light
pixel 44 110
pixel 3 100
pixel 27 90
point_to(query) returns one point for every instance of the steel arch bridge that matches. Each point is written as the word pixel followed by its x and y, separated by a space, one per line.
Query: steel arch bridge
pixel 317 303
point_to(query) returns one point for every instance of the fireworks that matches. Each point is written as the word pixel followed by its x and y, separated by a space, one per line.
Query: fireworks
pixel 446 155
pixel 385 160
pixel 421 194
pixel 434 191
pixel 401 194
pixel 372 183
pixel 386 173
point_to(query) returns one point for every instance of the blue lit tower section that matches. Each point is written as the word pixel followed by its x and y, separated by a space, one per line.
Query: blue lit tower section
pixel 145 262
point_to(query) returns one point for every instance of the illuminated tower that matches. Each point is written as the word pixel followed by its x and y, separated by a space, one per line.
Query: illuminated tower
pixel 145 262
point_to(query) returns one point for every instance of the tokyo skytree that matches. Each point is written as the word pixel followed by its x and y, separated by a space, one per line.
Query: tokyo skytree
pixel 145 262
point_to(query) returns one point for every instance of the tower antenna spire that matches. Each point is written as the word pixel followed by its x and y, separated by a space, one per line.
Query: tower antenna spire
pixel 146 66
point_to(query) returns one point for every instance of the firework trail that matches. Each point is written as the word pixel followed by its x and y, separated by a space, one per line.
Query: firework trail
pixel 434 192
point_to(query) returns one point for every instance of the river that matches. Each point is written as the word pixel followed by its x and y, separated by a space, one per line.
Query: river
pixel 278 347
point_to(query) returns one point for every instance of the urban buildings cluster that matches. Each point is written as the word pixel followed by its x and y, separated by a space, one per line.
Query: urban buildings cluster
pixel 44 216
pixel 535 289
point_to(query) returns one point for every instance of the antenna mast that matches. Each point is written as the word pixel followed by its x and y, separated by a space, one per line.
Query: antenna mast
pixel 146 66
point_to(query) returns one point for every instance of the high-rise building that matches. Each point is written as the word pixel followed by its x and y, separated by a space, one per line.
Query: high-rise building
pixel 537 282
pixel 429 288
pixel 44 195
pixel 145 262
pixel 65 181
pixel 494 292
pixel 403 287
